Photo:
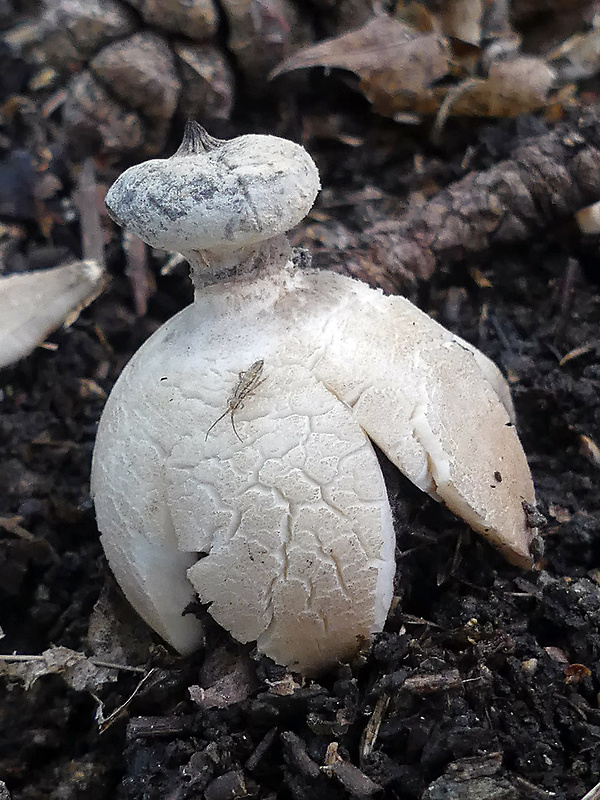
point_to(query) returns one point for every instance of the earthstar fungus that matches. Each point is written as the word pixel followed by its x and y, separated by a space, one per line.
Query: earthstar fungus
pixel 234 458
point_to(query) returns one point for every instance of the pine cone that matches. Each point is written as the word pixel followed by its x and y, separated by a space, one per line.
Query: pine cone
pixel 130 66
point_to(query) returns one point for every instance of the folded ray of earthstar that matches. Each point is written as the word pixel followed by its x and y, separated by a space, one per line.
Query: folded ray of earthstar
pixel 234 458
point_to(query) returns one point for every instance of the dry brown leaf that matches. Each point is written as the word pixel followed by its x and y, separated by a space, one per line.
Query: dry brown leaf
pixel 387 91
pixel 574 673
pixel 462 20
pixel 417 16
pixel 516 86
pixel 401 66
pixel 396 63
pixel 557 654
pixel 578 57
pixel 589 449
pixel 234 686
pixel 116 634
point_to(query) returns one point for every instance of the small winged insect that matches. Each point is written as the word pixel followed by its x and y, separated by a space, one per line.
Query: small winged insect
pixel 248 381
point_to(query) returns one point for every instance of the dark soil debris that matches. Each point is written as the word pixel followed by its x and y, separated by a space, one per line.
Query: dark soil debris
pixel 485 683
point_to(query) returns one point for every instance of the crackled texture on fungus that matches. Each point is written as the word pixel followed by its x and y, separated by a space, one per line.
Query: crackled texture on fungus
pixel 276 515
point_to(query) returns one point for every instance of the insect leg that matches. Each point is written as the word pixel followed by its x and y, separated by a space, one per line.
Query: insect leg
pixel 224 414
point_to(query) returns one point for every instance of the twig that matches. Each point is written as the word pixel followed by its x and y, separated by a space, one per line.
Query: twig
pixel 103 722
pixel 138 272
pixel 97 662
pixel 371 731
pixel 593 794
pixel 88 204
pixel 16 657
pixel 154 727
pixel 429 684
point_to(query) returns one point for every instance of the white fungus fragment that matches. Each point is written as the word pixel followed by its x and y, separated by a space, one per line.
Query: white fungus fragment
pixel 34 304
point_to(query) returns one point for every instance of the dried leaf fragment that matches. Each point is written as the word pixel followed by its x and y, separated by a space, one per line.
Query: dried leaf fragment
pixel 588 219
pixel 401 63
pixel 393 60
pixel 234 686
pixel 589 449
pixel 462 19
pixel 115 634
pixel 78 671
pixel 574 673
pixel 578 57
pixel 36 303
pixel 512 87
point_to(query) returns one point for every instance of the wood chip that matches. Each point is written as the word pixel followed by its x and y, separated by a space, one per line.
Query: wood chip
pixel 354 781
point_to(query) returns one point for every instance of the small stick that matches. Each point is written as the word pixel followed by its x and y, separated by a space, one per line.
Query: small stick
pixel 88 204
pixel 593 793
pixel 248 381
pixel 97 662
pixel 371 731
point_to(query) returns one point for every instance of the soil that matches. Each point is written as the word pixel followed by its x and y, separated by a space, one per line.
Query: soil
pixel 486 680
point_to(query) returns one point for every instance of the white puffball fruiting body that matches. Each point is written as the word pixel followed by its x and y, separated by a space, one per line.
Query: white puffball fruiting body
pixel 265 498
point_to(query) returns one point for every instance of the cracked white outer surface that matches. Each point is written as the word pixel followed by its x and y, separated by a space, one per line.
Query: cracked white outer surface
pixel 287 534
